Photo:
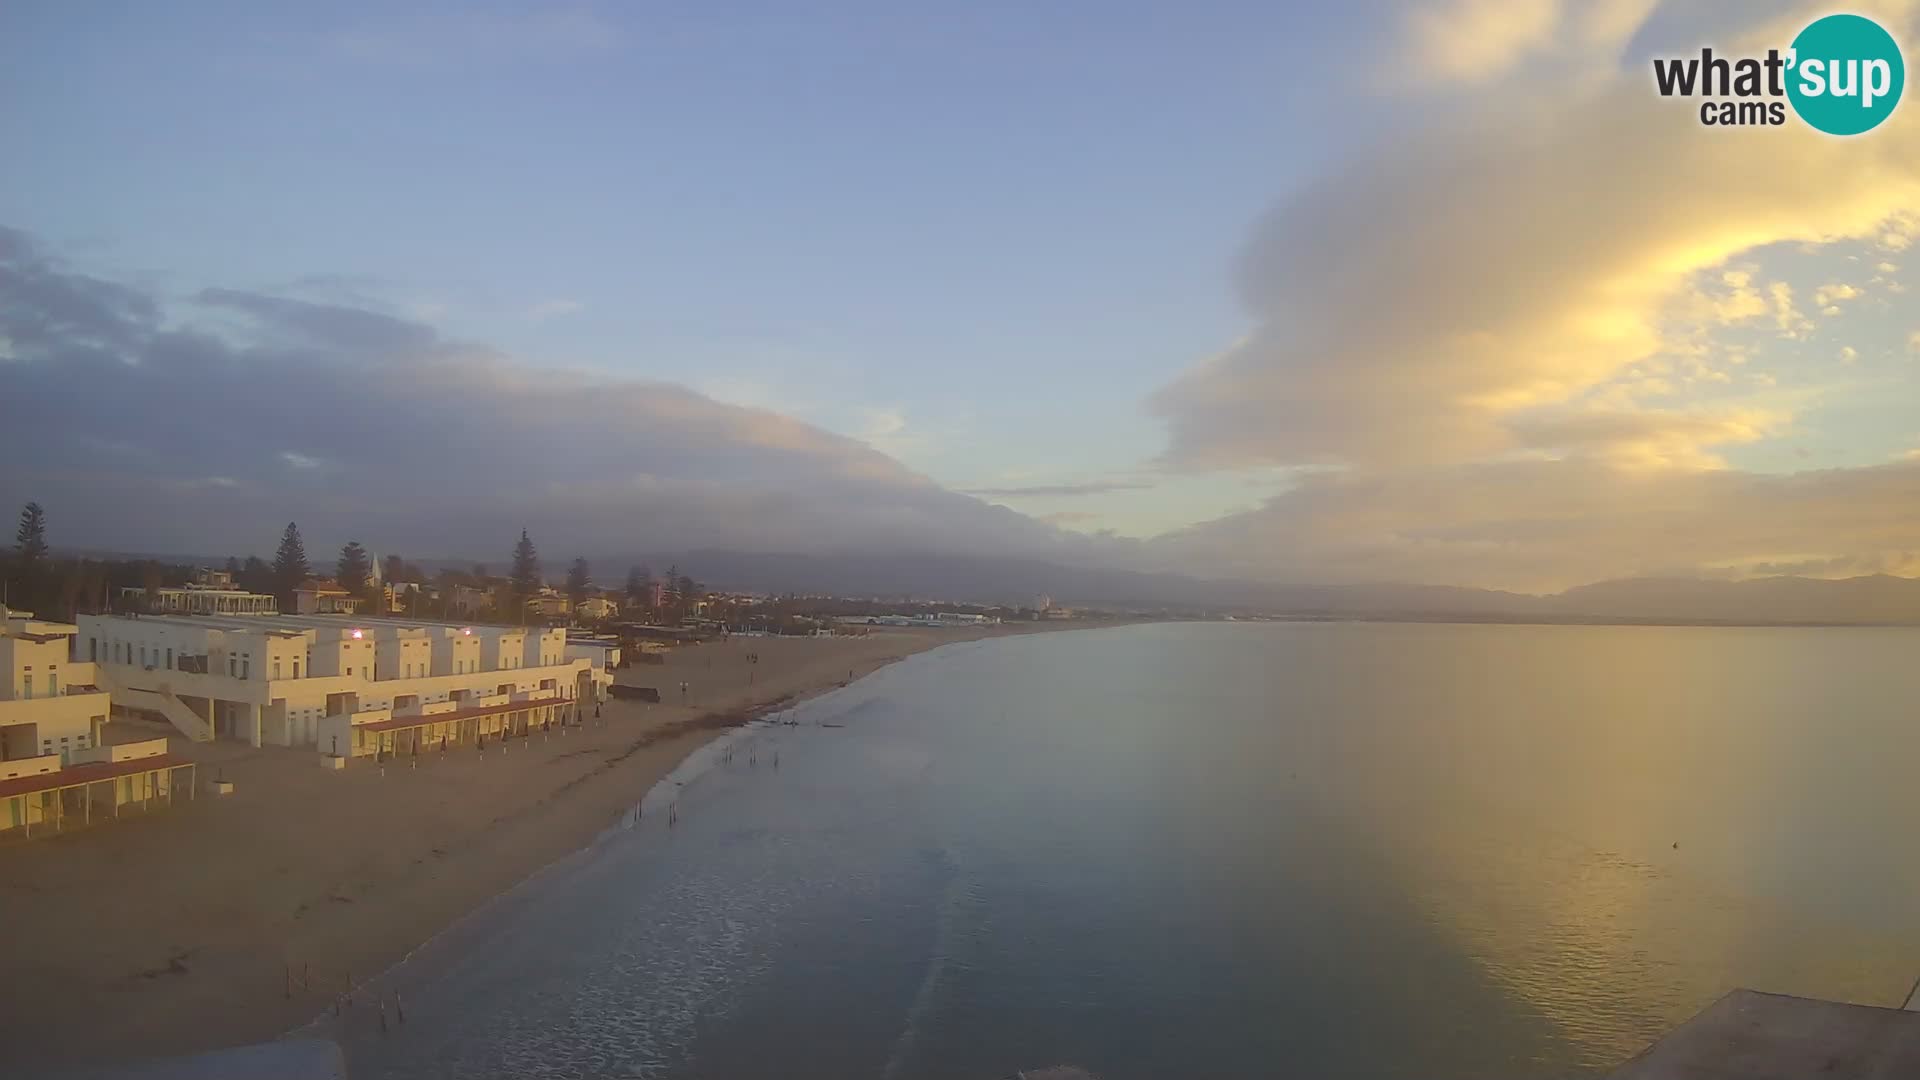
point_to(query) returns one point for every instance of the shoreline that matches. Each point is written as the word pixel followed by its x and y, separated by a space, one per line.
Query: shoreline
pixel 239 919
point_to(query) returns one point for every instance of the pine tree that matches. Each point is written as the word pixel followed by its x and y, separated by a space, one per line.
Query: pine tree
pixel 31 540
pixel 353 570
pixel 526 572
pixel 290 567
pixel 638 582
pixel 579 580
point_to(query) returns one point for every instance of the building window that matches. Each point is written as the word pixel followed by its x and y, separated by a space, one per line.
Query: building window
pixel 276 667
pixel 53 685
pixel 296 669
pixel 169 658
pixel 246 667
pixel 29 688
pixel 233 666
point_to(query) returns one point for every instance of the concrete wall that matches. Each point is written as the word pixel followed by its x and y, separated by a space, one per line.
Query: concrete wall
pixel 33 766
pixel 51 725
pixel 456 653
pixel 132 751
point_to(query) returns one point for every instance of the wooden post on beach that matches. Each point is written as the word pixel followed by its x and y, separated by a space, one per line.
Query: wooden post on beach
pixel 398 1008
pixel 382 1003
pixel 287 991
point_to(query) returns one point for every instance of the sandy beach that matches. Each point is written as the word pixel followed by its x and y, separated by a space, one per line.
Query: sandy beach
pixel 176 930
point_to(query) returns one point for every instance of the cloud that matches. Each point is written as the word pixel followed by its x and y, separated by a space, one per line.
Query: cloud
pixel 1499 338
pixel 1033 491
pixel 1477 41
pixel 1543 525
pixel 1832 293
pixel 251 410
pixel 1069 518
pixel 1412 302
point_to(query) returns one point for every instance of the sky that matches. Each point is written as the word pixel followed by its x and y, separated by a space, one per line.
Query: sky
pixel 1428 292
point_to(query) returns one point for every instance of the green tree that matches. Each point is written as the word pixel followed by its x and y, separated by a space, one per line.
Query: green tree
pixel 290 567
pixel 639 585
pixel 255 575
pixel 29 571
pixel 526 569
pixel 233 566
pixel 354 570
pixel 31 539
pixel 579 580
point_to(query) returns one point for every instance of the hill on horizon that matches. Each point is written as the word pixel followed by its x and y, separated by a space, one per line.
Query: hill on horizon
pixel 1876 599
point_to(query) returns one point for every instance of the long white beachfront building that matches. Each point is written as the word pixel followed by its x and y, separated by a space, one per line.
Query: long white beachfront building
pixel 345 685
pixel 54 763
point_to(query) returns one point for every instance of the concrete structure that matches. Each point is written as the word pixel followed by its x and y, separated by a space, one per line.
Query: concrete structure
pixel 50 705
pixel 46 792
pixel 309 680
pixel 596 609
pixel 211 592
pixel 548 607
pixel 602 655
pixel 467 600
pixel 1756 1036
pixel 324 598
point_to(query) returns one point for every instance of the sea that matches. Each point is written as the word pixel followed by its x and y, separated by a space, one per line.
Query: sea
pixel 1334 849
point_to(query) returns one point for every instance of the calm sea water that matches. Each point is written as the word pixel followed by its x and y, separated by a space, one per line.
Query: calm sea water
pixel 1224 850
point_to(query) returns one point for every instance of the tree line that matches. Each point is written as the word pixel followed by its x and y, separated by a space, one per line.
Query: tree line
pixel 33 579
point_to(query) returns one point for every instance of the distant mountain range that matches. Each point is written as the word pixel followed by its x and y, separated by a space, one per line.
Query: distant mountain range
pixel 1879 599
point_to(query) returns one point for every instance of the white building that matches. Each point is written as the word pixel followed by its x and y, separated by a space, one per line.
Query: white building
pixel 343 685
pixel 50 706
pixel 596 609
pixel 602 655
pixel 198 600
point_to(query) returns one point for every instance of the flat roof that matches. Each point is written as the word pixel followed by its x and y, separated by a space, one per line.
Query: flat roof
pixel 91 773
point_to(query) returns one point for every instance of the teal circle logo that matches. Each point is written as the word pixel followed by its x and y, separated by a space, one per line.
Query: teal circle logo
pixel 1847 74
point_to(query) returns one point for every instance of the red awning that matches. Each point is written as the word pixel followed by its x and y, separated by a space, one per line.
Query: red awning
pixel 90 773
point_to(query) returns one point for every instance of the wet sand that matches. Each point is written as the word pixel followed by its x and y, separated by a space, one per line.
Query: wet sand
pixel 226 920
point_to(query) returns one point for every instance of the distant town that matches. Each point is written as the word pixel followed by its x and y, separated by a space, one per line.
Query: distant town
pixel 369 657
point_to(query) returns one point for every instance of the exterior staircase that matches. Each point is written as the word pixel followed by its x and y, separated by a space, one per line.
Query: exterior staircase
pixel 163 701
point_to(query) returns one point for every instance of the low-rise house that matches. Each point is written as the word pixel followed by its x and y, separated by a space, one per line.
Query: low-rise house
pixel 324 597
pixel 595 609
pixel 548 607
